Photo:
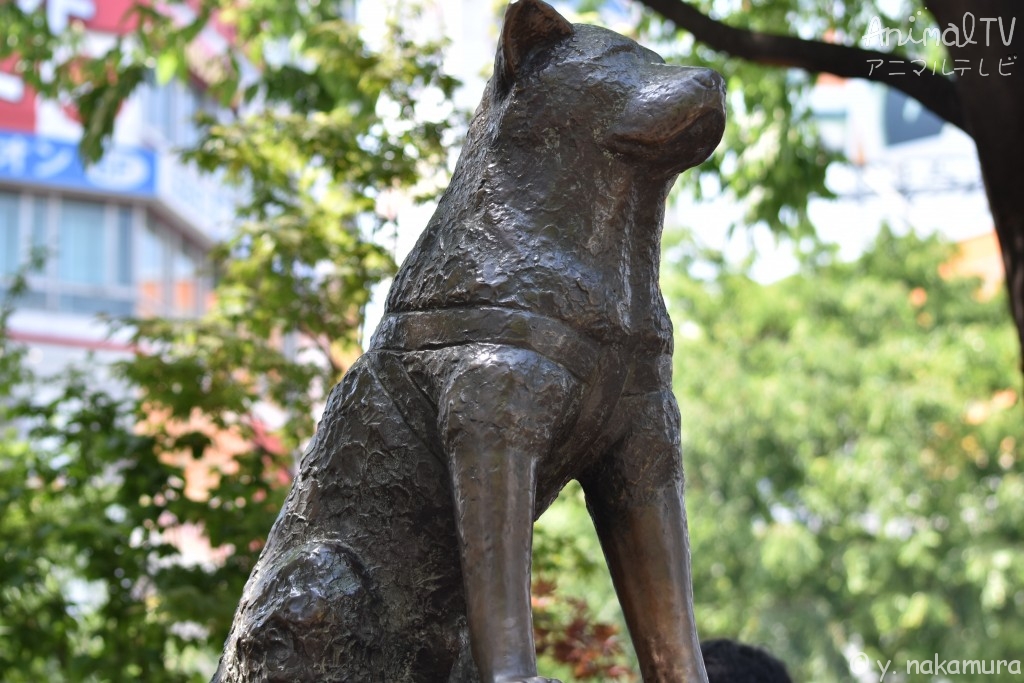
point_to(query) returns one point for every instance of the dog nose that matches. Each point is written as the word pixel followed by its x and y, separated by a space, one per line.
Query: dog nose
pixel 710 79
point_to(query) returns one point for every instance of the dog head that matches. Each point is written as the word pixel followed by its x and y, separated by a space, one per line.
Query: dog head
pixel 555 81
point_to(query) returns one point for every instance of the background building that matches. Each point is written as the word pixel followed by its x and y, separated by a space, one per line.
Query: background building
pixel 127 236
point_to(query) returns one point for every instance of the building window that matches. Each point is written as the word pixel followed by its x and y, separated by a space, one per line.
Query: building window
pixel 85 239
pixel 171 110
pixel 186 281
pixel 82 244
pixel 171 280
pixel 9 233
pixel 100 257
pixel 39 220
pixel 125 242
pixel 152 271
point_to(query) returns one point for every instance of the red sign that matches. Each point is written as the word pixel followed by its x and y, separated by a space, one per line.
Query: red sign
pixel 113 16
pixel 108 16
pixel 17 100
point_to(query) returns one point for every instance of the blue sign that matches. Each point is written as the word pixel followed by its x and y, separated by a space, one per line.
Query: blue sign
pixel 41 160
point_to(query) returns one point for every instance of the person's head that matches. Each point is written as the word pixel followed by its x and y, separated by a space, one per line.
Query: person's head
pixel 727 661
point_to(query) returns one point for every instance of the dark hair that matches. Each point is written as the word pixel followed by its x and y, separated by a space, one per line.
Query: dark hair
pixel 727 661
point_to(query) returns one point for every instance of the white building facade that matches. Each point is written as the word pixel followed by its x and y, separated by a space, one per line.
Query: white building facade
pixel 126 236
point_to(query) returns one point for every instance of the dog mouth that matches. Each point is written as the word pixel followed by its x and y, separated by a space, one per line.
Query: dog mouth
pixel 677 119
pixel 695 142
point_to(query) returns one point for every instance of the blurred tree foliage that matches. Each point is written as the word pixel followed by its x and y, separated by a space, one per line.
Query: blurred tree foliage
pixel 93 586
pixel 96 485
pixel 854 482
pixel 578 626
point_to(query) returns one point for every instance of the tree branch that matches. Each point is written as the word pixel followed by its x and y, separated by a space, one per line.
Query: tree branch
pixel 934 91
pixel 324 344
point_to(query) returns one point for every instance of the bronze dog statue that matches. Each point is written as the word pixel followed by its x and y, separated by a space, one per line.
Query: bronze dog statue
pixel 526 343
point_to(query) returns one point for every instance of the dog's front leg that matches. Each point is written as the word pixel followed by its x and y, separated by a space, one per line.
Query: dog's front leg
pixel 635 496
pixel 499 413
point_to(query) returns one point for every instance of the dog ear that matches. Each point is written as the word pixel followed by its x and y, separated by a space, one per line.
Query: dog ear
pixel 529 25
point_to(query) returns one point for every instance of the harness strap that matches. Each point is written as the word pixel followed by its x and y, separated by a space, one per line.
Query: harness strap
pixel 415 409
pixel 553 339
pixel 607 366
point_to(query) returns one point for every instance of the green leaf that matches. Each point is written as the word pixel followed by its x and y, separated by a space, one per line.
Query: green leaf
pixel 167 65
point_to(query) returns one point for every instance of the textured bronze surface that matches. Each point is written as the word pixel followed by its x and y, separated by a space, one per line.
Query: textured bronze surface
pixel 526 343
